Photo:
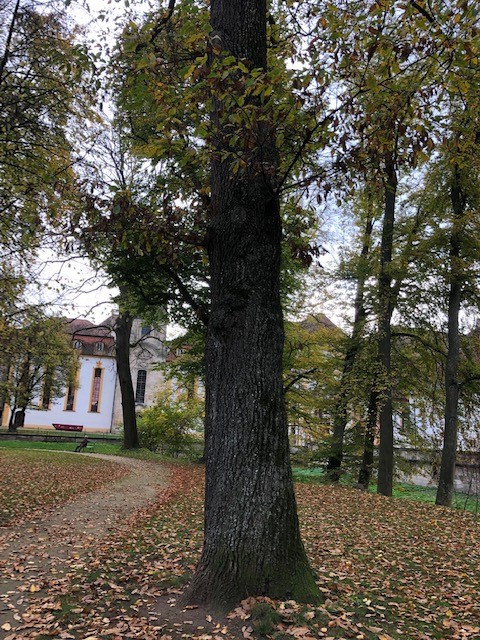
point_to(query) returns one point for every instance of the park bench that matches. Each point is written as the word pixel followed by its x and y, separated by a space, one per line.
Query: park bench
pixel 67 427
pixel 74 427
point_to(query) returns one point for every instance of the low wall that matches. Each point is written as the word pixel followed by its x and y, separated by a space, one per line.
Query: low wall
pixel 422 468
pixel 58 436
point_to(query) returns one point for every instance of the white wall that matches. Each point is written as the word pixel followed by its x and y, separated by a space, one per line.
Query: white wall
pixel 102 420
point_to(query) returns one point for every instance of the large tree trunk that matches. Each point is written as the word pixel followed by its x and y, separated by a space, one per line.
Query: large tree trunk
pixel 366 466
pixel 385 460
pixel 341 416
pixel 252 542
pixel 449 451
pixel 123 329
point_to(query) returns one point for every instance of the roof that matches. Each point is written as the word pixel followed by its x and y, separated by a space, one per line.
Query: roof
pixel 315 321
pixel 94 339
pixel 78 327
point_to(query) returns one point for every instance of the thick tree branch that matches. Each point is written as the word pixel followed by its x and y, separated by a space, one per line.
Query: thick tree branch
pixel 6 53
pixel 300 376
pixel 426 343
pixel 423 11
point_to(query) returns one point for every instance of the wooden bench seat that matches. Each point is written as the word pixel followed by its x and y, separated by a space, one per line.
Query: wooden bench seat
pixel 67 427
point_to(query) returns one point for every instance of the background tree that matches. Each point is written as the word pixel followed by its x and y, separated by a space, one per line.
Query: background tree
pixel 44 93
pixel 38 360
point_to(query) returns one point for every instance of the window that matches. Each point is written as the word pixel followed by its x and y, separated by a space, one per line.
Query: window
pixel 70 404
pixel 146 331
pixel 141 384
pixel 77 344
pixel 96 387
pixel 99 346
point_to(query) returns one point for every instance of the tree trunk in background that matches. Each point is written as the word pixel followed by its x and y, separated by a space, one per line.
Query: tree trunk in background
pixel 366 467
pixel 252 542
pixel 449 451
pixel 385 460
pixel 341 417
pixel 123 329
pixel 11 421
pixel 20 417
pixel 5 373
pixel 21 398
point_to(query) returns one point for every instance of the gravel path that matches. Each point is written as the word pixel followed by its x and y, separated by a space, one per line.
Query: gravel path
pixel 33 553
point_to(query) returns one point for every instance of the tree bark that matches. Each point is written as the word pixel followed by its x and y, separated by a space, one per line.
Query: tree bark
pixel 20 417
pixel 385 460
pixel 6 52
pixel 22 396
pixel 341 417
pixel 11 421
pixel 449 451
pixel 366 467
pixel 252 542
pixel 123 329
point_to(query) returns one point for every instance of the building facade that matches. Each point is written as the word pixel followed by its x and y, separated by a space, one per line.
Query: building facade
pixel 93 400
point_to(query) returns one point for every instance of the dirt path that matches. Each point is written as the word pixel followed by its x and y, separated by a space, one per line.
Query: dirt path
pixel 33 553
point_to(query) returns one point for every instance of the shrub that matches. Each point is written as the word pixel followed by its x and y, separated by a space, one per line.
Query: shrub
pixel 169 425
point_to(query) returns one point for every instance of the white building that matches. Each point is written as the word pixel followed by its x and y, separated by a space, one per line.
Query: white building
pixel 94 401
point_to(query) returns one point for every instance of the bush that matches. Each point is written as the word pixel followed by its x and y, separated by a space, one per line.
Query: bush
pixel 169 426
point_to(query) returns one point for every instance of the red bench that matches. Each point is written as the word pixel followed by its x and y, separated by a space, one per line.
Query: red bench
pixel 67 427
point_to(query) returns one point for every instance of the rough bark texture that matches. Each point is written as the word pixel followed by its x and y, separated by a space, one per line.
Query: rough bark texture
pixel 123 329
pixel 366 466
pixel 449 451
pixel 341 416
pixel 385 460
pixel 252 543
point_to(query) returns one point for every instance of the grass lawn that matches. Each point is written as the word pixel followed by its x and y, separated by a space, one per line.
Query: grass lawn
pixel 100 447
pixel 32 482
pixel 313 475
pixel 388 570
pixel 401 490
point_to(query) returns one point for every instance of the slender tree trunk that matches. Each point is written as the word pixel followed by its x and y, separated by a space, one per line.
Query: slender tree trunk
pixel 366 467
pixel 341 416
pixel 252 542
pixel 20 418
pixel 4 396
pixel 6 52
pixel 123 329
pixel 22 396
pixel 11 421
pixel 385 460
pixel 449 451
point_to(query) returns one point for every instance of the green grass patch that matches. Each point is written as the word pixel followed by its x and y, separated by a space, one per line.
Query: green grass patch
pixel 401 490
pixel 100 447
pixel 15 445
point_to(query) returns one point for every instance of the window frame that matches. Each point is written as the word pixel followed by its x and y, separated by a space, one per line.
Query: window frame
pixel 138 386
